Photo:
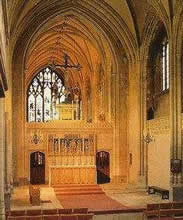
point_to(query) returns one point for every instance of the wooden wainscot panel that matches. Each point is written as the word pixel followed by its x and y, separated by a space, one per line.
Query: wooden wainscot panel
pixel 73 175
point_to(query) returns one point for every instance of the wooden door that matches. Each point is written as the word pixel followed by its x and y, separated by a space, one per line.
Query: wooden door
pixel 103 167
pixel 37 168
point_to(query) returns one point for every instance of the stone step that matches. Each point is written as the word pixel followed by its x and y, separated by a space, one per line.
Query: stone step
pixel 74 189
pixel 77 189
pixel 75 185
pixel 79 193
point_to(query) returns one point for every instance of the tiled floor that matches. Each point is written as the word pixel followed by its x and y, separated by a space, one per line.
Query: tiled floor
pixel 130 198
pixel 20 199
pixel 135 199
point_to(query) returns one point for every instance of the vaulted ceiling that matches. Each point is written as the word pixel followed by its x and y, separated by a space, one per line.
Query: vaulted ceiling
pixel 65 35
pixel 89 31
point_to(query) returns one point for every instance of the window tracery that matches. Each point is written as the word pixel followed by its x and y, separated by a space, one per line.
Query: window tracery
pixel 160 66
pixel 157 71
pixel 44 92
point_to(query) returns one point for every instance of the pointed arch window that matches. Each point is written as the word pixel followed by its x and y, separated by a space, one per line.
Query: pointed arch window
pixel 44 92
pixel 158 72
pixel 160 67
pixel 165 65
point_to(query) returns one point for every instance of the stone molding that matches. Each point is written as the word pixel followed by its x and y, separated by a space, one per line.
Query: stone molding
pixel 159 126
pixel 69 125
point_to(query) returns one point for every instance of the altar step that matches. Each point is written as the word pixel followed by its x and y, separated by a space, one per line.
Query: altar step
pixel 77 189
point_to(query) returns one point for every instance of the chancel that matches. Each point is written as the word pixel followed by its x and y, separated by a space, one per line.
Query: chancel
pixel 91 108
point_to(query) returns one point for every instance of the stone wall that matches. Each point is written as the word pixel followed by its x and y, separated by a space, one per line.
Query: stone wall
pixel 103 133
pixel 158 153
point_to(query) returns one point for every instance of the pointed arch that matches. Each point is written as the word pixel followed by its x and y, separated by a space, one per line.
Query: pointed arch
pixel 45 89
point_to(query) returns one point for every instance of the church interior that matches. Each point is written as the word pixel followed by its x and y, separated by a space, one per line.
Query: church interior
pixel 91 97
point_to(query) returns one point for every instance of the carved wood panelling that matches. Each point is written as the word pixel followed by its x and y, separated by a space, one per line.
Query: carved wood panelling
pixel 71 160
pixel 72 175
pixel 72 144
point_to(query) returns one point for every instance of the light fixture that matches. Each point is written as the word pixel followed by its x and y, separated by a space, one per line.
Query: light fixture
pixel 66 64
pixel 66 57
pixel 148 138
pixel 36 137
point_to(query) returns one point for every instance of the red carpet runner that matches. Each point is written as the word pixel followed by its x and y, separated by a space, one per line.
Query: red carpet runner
pixel 90 196
pixel 94 202
pixel 166 218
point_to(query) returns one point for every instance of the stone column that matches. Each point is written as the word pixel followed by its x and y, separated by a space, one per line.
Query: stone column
pixel 134 123
pixel 175 112
pixel 7 160
pixel 123 122
pixel 115 116
pixel 143 126
pixel 112 109
pixel 116 130
pixel 2 159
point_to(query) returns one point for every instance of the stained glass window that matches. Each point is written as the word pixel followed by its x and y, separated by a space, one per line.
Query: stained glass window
pixel 44 92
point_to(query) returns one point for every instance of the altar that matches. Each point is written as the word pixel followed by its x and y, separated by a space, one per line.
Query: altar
pixel 69 111
pixel 72 175
pixel 71 159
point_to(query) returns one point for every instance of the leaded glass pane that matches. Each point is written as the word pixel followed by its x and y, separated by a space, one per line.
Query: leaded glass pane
pixel 167 64
pixel 31 108
pixel 39 108
pixel 45 90
pixel 164 67
pixel 55 113
pixel 62 98
pixel 47 104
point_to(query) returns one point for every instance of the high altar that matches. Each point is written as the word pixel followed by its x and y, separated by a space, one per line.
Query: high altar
pixel 71 159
